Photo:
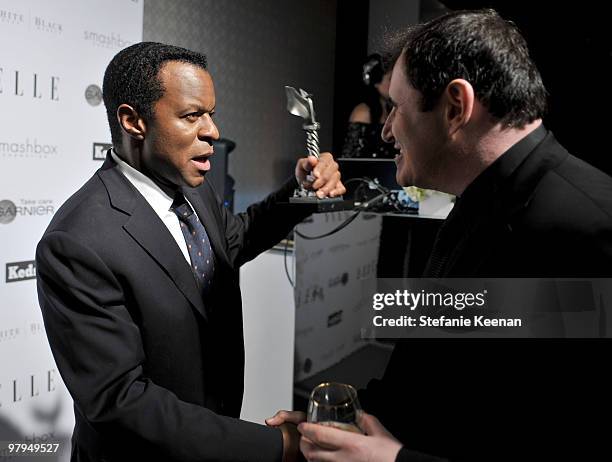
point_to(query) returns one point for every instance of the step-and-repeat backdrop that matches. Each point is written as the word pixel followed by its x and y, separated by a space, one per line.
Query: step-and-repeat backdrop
pixel 53 131
pixel 333 277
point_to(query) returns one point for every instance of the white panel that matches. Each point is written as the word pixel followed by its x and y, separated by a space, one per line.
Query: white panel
pixel 269 322
pixel 50 53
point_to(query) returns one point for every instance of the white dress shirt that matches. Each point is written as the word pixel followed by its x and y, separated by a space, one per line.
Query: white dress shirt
pixel 159 201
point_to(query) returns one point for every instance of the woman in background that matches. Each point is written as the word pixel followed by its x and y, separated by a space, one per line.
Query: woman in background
pixel 363 134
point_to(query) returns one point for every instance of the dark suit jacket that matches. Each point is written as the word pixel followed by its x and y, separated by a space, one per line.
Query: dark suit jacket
pixel 551 217
pixel 512 399
pixel 154 373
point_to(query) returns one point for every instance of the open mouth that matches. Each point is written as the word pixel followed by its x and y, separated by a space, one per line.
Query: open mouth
pixel 202 163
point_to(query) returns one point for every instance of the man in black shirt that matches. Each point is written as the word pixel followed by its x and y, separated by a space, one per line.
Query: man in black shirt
pixel 467 116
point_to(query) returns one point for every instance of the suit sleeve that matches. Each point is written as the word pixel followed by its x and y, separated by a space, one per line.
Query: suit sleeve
pixel 98 350
pixel 263 225
pixel 406 455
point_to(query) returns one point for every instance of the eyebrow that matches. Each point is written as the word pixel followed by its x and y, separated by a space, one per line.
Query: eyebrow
pixel 199 108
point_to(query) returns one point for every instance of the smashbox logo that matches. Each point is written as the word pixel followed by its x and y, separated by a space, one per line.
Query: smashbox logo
pixel 20 271
pixel 28 148
pixel 99 150
pixel 105 40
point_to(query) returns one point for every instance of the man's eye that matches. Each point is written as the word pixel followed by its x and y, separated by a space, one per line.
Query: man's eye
pixel 193 116
pixel 196 115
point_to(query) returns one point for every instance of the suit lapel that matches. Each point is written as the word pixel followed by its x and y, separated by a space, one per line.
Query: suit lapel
pixel 146 228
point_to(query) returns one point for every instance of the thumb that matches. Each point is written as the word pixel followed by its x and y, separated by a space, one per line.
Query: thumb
pixel 371 425
pixel 275 420
pixel 311 163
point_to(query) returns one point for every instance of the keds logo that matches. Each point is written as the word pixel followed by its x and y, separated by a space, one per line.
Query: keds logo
pixel 99 150
pixel 20 271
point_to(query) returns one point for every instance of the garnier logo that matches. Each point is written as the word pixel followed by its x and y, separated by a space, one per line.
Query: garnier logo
pixel 20 271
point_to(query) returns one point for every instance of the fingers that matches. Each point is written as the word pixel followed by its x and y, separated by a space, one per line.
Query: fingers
pixel 314 453
pixel 371 425
pixel 307 164
pixel 327 177
pixel 311 162
pixel 321 175
pixel 326 183
pixel 326 437
pixel 303 169
pixel 281 417
pixel 324 168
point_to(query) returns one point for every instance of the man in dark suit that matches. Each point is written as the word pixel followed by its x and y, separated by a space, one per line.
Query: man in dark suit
pixel 138 276
pixel 467 116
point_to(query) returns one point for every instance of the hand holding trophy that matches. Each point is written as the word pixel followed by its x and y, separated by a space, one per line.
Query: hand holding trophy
pixel 300 103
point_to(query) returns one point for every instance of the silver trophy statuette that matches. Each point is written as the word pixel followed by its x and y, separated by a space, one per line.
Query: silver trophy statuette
pixel 299 103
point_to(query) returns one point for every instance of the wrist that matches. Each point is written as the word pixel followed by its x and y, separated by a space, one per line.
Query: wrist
pixel 290 441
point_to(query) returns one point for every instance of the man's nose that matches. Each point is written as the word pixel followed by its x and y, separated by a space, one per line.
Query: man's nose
pixel 208 129
pixel 386 133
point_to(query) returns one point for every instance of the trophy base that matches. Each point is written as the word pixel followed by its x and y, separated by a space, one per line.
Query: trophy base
pixel 328 204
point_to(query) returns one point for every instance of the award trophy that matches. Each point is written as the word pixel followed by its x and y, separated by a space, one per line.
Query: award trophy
pixel 299 103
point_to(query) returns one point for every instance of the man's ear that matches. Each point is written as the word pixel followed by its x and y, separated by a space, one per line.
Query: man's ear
pixel 131 122
pixel 459 95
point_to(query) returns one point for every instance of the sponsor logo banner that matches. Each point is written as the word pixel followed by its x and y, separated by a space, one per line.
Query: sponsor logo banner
pixel 110 40
pixel 10 210
pixel 99 150
pixel 11 17
pixel 20 271
pixel 28 83
pixel 30 148
pixel 93 95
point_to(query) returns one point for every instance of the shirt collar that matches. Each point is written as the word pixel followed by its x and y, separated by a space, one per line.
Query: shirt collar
pixel 487 188
pixel 155 196
pixel 493 177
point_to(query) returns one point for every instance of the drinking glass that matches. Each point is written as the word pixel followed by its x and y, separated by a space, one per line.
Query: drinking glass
pixel 334 404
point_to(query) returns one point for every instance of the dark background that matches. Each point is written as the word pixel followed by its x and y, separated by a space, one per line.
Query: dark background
pixel 257 46
pixel 570 43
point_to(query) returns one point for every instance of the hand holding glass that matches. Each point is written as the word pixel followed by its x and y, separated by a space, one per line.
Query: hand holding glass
pixel 335 405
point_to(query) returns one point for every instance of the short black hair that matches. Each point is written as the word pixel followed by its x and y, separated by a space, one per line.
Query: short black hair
pixel 132 77
pixel 484 49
